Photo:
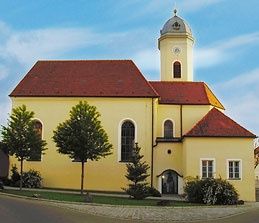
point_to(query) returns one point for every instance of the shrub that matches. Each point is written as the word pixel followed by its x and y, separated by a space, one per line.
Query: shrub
pixel 1 185
pixel 32 179
pixel 6 181
pixel 154 192
pixel 211 191
pixel 138 191
pixel 15 177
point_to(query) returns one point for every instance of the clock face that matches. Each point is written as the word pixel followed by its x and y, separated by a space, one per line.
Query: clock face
pixel 176 50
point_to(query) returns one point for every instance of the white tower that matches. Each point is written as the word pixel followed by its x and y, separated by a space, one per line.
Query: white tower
pixel 176 50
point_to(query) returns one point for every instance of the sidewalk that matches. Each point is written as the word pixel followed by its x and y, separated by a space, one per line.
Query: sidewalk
pixel 151 213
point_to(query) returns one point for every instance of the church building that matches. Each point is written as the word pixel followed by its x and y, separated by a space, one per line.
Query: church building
pixel 179 123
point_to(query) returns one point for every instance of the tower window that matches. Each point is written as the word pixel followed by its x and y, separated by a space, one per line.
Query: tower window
pixel 168 129
pixel 177 69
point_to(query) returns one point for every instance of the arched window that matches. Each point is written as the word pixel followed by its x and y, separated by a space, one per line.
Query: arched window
pixel 36 155
pixel 38 127
pixel 127 140
pixel 177 69
pixel 168 129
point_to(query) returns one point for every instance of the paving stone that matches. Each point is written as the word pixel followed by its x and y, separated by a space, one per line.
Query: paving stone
pixel 161 213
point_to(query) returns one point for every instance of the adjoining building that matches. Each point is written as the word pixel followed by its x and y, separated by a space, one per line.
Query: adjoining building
pixel 4 164
pixel 179 123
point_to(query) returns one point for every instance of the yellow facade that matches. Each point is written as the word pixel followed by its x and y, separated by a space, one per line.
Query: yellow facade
pixel 221 150
pixel 108 174
pixel 58 171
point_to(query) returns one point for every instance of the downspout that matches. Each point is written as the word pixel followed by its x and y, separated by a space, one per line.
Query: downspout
pixel 181 121
pixel 152 149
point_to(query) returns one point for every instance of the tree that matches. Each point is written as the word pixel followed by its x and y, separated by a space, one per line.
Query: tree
pixel 137 173
pixel 82 137
pixel 21 138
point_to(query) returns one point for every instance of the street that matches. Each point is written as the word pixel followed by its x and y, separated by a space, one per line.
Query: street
pixel 16 210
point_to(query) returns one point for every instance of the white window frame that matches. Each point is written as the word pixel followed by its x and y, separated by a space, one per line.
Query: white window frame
pixel 240 168
pixel 119 135
pixel 163 126
pixel 213 166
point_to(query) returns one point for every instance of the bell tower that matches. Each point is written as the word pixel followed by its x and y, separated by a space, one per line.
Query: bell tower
pixel 176 50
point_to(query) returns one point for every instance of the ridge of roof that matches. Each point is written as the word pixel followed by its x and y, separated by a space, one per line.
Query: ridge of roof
pixel 84 60
pixel 217 124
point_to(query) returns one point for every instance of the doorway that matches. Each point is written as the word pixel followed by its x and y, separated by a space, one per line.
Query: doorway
pixel 170 182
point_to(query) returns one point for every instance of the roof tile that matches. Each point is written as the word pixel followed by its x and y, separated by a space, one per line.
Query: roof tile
pixel 217 124
pixel 185 93
pixel 84 78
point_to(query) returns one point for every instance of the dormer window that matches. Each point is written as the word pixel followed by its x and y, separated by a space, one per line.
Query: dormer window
pixel 177 70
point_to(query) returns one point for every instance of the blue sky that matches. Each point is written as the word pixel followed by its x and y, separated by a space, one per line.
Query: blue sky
pixel 226 47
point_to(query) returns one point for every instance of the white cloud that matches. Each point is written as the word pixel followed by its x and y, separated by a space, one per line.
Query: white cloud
pixel 241 98
pixel 4 72
pixel 27 47
pixel 147 59
pixel 207 57
pixel 4 29
pixel 219 52
pixel 248 79
pixel 5 108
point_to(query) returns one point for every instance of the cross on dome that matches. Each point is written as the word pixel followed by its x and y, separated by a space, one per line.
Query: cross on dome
pixel 175 12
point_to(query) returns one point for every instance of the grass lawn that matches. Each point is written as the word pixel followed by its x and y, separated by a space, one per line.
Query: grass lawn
pixel 96 198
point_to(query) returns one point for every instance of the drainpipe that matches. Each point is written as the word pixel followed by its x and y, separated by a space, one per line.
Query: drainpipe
pixel 152 149
pixel 181 121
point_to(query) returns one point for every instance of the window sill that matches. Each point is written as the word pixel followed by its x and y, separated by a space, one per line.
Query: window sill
pixel 174 139
pixel 124 161
pixel 33 160
pixel 234 178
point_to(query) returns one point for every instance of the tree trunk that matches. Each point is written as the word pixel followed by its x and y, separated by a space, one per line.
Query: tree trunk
pixel 82 177
pixel 21 179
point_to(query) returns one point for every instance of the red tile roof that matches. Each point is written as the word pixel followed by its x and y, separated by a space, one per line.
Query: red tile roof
pixel 217 124
pixel 86 78
pixel 185 93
